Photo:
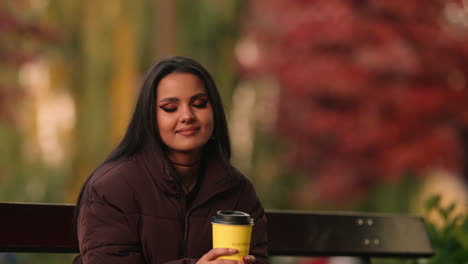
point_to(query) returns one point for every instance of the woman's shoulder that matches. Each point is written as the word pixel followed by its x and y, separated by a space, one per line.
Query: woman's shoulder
pixel 115 171
pixel 244 181
pixel 248 198
pixel 122 177
pixel 114 182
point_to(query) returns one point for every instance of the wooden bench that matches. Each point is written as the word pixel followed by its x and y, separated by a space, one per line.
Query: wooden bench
pixel 48 228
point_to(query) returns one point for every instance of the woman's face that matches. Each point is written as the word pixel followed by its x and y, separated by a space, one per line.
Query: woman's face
pixel 184 113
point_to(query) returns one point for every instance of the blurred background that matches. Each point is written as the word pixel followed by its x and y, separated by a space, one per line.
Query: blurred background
pixel 356 105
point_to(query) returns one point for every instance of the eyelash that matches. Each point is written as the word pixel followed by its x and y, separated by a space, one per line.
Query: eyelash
pixel 170 110
pixel 201 105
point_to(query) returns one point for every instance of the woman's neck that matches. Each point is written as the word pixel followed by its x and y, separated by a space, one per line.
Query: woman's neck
pixel 187 167
pixel 188 176
pixel 184 159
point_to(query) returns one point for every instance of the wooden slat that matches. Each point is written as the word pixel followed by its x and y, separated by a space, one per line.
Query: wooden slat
pixel 347 234
pixel 36 228
pixel 48 228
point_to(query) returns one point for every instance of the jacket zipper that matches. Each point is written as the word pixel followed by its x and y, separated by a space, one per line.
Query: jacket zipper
pixel 186 228
pixel 186 222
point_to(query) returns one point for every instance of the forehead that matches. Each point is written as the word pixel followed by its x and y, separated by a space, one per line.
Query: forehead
pixel 180 85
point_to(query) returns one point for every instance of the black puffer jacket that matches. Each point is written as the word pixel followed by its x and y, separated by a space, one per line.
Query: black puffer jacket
pixel 130 214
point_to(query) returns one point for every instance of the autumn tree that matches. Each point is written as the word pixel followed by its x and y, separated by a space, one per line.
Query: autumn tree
pixel 371 90
pixel 21 40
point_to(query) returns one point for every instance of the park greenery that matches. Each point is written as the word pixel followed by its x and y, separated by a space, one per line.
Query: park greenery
pixel 333 105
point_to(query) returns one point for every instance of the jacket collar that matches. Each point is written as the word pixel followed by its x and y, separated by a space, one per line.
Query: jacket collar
pixel 215 177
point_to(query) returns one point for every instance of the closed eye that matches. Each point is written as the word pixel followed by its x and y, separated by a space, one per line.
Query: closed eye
pixel 201 104
pixel 168 109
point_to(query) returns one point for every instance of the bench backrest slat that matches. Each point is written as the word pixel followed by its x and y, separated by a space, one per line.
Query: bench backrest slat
pixel 36 228
pixel 347 234
pixel 48 228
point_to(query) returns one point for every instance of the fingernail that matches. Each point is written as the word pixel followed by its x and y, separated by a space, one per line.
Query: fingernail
pixel 231 250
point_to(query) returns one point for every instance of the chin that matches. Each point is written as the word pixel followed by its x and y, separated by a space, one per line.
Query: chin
pixel 188 149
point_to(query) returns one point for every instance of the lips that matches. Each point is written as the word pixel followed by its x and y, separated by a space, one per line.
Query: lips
pixel 188 131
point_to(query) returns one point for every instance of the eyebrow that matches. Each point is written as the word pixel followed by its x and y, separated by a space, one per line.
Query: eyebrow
pixel 175 99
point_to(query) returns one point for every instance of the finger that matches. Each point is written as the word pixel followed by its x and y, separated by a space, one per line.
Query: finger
pixel 227 261
pixel 218 252
pixel 249 259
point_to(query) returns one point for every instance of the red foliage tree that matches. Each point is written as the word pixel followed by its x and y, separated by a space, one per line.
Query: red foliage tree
pixel 21 40
pixel 370 88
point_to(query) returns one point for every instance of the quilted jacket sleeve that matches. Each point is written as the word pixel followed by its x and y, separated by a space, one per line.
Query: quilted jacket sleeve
pixel 250 204
pixel 109 221
pixel 105 233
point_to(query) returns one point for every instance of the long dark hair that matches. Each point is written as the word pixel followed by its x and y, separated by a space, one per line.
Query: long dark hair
pixel 142 131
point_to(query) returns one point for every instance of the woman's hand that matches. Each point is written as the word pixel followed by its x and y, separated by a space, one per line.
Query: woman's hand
pixel 212 255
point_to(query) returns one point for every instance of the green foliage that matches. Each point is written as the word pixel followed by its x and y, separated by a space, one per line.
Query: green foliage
pixel 449 240
pixel 403 190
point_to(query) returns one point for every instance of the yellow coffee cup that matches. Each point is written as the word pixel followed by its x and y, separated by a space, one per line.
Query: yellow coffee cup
pixel 232 229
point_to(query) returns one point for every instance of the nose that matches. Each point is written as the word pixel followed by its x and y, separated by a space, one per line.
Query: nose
pixel 186 115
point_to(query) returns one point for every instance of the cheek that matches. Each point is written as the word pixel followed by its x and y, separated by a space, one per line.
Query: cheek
pixel 210 128
pixel 164 125
pixel 209 123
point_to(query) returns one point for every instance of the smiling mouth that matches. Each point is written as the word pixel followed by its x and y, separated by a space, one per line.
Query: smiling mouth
pixel 188 132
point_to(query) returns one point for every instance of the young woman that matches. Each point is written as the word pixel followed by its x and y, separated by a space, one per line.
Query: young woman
pixel 152 199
